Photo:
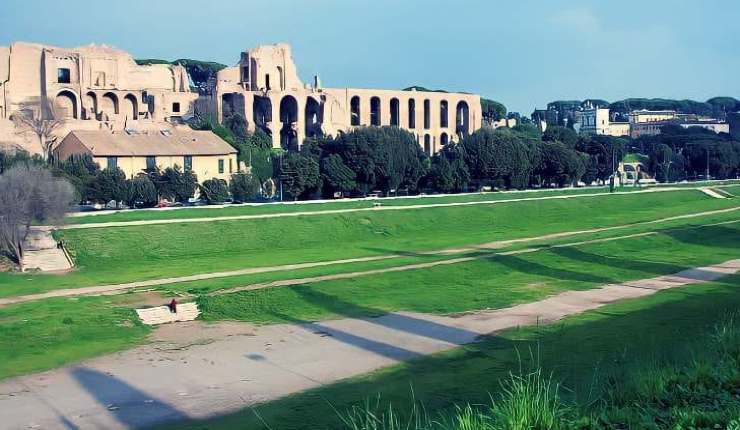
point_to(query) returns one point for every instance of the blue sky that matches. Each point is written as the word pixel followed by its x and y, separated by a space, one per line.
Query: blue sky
pixel 523 53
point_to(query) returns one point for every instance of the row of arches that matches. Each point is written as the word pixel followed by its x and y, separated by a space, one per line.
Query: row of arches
pixel 67 106
pixel 290 110
pixel 462 114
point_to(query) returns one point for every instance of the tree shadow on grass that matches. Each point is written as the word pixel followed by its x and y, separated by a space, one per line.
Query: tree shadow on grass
pixel 720 236
pixel 130 406
pixel 653 267
pixel 533 268
pixel 395 321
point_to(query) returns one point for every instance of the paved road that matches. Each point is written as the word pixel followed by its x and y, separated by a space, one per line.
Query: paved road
pixel 196 370
pixel 108 289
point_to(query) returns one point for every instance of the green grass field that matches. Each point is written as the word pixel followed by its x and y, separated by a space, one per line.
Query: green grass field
pixel 125 254
pixel 492 282
pixel 584 353
pixel 47 334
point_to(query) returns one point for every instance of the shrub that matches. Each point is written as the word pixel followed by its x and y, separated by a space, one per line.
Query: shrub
pixel 244 187
pixel 214 191
pixel 141 192
pixel 174 184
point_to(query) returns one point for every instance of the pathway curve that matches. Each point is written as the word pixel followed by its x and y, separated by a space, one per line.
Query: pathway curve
pixel 196 370
pixel 110 289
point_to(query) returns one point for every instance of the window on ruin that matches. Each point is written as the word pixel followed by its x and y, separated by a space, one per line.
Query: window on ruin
pixel 112 163
pixel 427 117
pixel 221 165
pixel 354 106
pixel 267 81
pixel 444 116
pixel 375 111
pixel 412 113
pixel 100 79
pixel 281 78
pixel 151 163
pixel 176 107
pixel 63 76
pixel 394 112
pixel 188 163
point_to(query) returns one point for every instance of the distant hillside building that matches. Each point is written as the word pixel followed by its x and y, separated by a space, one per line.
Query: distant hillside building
pixel 265 89
pixel 202 152
pixel 598 121
pixel 644 115
pixel 655 127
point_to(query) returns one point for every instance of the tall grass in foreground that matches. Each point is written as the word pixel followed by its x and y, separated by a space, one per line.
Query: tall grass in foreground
pixel 700 393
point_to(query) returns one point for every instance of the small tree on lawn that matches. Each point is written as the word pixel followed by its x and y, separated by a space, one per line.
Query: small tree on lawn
pixel 214 191
pixel 29 194
pixel 244 187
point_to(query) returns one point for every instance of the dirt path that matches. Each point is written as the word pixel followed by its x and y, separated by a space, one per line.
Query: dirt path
pixel 343 211
pixel 194 370
pixel 110 289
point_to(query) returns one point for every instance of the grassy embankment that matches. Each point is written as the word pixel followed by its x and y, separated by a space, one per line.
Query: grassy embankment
pixel 125 254
pixel 290 207
pixel 37 336
pixel 651 363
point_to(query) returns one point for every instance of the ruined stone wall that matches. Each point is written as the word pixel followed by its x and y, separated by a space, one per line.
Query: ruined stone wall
pixel 290 111
pixel 91 87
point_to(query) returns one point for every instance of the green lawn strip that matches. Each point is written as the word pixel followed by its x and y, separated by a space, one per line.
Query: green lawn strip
pixel 118 255
pixel 495 282
pixel 583 352
pixel 211 285
pixel 276 208
pixel 205 212
pixel 55 332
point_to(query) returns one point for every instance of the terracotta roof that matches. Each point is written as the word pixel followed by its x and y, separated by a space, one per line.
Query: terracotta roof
pixel 104 143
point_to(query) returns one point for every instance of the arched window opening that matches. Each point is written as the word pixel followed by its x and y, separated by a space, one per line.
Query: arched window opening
pixel 427 115
pixel 462 119
pixel 65 105
pixel 131 107
pixel 394 112
pixel 428 145
pixel 109 104
pixel 375 111
pixel 355 110
pixel 444 116
pixel 90 106
pixel 444 139
pixel 288 119
pixel 262 113
pixel 314 117
pixel 412 113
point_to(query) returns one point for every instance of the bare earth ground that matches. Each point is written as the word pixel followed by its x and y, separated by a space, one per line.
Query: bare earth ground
pixel 193 369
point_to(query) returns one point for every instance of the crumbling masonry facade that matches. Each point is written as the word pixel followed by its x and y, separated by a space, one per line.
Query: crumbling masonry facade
pixel 101 88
